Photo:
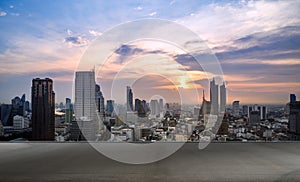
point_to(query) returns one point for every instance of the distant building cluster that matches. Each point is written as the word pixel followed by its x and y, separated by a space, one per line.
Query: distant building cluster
pixel 93 118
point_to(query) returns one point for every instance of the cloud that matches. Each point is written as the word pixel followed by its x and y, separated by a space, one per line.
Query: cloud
pixel 172 2
pixel 278 44
pixel 223 22
pixel 15 14
pixel 95 33
pixel 69 32
pixel 11 6
pixel 76 41
pixel 139 8
pixel 127 50
pixel 153 13
pixel 3 13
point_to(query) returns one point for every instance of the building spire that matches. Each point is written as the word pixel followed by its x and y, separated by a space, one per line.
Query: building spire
pixel 203 95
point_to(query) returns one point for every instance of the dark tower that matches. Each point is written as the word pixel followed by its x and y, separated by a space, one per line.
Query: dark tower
pixel 43 105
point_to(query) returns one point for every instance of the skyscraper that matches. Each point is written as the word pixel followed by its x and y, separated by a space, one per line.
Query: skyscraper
pixel 292 98
pixel 43 106
pixel 236 108
pixel 154 107
pixel 129 99
pixel 263 112
pixel 100 101
pixel 110 107
pixel 85 103
pixel 161 104
pixel 250 109
pixel 140 108
pixel 294 117
pixel 245 110
pixel 214 97
pixel 222 97
pixel 69 111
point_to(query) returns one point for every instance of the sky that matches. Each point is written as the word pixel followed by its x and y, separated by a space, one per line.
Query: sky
pixel 256 42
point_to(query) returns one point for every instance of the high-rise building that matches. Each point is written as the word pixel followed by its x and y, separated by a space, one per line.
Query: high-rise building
pixel 27 106
pixel 254 117
pixel 18 106
pixel 110 107
pixel 245 110
pixel 43 108
pixel 139 108
pixel 250 109
pixel 5 114
pixel 294 116
pixel 222 97
pixel 154 107
pixel 236 108
pixel 69 111
pixel 129 99
pixel 263 112
pixel 161 104
pixel 100 101
pixel 85 104
pixel 292 98
pixel 214 97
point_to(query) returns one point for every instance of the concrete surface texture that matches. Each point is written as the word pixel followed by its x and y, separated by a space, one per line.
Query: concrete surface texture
pixel 217 162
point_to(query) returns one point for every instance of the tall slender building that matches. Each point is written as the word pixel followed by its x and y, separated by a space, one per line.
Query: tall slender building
pixel 43 109
pixel 236 108
pixel 214 97
pixel 100 101
pixel 85 103
pixel 129 99
pixel 222 97
pixel 110 107
pixel 69 111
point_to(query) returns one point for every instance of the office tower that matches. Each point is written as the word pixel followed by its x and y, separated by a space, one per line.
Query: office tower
pixel 85 104
pixel 136 104
pixel 250 109
pixel 154 107
pixel 110 107
pixel 214 97
pixel 292 98
pixel 262 111
pixel 43 108
pixel 69 111
pixel 222 97
pixel 129 99
pixel 100 101
pixel 255 107
pixel 18 106
pixel 5 114
pixel 254 117
pixel 294 116
pixel 23 98
pixel 27 106
pixel 236 108
pixel 161 104
pixel 140 108
pixel 245 110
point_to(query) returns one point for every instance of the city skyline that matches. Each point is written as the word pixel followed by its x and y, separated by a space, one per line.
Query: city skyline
pixel 260 60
